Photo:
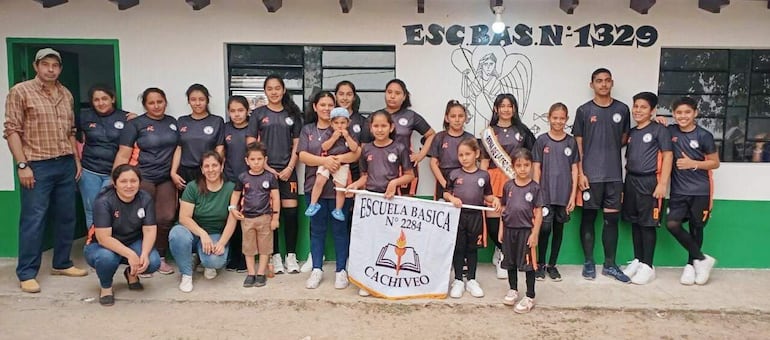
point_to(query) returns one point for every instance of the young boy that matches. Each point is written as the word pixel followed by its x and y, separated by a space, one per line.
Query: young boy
pixel 259 212
pixel 339 143
pixel 691 187
pixel 648 169
pixel 601 129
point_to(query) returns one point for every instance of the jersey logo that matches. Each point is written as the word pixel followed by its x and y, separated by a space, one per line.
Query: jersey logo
pixel 118 125
pixel 208 130
pixel 674 139
pixel 310 137
pixel 116 214
pixel 392 157
pixel 403 121
pixel 91 125
pixel 545 211
pixel 289 121
pixel 568 151
pixel 481 182
pixel 694 144
pixel 586 196
pixel 459 181
pixel 593 119
pixel 445 145
pixel 265 120
pixel 356 128
pixel 647 137
pixel 247 186
pixel 369 158
pixel 150 128
pixel 265 184
pixel 140 213
pixel 617 118
pixel 229 138
pixel 172 126
pixel 528 197
pixel 183 129
pixel 547 149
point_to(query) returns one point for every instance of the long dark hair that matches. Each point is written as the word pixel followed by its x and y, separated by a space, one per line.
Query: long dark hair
pixel 356 99
pixel 201 180
pixel 407 100
pixel 312 115
pixel 529 137
pixel 202 89
pixel 288 104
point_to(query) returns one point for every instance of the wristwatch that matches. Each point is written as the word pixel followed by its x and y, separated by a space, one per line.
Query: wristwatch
pixel 21 165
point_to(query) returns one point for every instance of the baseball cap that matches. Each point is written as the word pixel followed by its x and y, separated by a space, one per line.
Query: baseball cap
pixel 45 52
pixel 339 112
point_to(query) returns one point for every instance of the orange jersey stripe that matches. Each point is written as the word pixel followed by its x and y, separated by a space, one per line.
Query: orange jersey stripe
pixel 134 160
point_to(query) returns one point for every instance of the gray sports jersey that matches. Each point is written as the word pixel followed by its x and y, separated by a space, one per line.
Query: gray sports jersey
pixel 469 187
pixel 444 148
pixel 510 138
pixel 275 130
pixel 340 147
pixel 602 129
pixel 381 164
pixel 125 219
pixel 406 122
pixel 196 136
pixel 519 204
pixel 255 199
pixel 310 140
pixel 696 144
pixel 556 158
pixel 645 147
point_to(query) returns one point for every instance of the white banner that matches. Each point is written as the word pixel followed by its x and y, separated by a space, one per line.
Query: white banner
pixel 402 248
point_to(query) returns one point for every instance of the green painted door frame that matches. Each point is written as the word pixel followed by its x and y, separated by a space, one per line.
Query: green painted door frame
pixel 20 57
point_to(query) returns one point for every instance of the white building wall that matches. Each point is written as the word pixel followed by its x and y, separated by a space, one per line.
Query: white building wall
pixel 165 43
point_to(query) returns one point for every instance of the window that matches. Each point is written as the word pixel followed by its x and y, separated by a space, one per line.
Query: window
pixel 309 69
pixel 733 91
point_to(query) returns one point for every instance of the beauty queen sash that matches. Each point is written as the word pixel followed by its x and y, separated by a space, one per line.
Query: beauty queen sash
pixel 496 152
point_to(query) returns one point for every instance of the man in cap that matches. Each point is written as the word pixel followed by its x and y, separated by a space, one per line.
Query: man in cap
pixel 40 130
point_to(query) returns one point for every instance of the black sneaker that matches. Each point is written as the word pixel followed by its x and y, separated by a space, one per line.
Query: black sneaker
pixel 589 270
pixel 553 273
pixel 616 273
pixel 250 281
pixel 261 281
pixel 540 273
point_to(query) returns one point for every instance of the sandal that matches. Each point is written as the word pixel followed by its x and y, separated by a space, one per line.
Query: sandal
pixel 135 285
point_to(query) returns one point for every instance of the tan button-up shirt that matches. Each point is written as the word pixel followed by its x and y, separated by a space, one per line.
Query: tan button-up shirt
pixel 44 119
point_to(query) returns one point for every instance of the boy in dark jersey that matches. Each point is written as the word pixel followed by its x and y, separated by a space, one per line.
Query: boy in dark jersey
pixel 648 170
pixel 696 155
pixel 601 129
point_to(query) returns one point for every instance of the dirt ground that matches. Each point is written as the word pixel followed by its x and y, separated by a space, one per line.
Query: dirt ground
pixel 45 318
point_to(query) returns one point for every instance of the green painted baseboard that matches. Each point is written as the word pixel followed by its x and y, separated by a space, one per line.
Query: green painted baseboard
pixel 736 235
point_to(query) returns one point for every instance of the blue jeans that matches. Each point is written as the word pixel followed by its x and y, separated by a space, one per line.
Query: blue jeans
pixel 90 184
pixel 319 223
pixel 106 262
pixel 55 188
pixel 182 242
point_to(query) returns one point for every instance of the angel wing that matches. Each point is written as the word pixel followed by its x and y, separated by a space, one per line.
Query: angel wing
pixel 516 78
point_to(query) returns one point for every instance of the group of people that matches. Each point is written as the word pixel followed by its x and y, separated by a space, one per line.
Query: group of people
pixel 213 194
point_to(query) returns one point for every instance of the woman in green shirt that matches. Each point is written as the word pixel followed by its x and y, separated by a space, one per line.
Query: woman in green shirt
pixel 205 225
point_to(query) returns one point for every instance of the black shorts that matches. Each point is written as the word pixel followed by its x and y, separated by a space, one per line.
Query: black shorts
pixel 603 195
pixel 638 204
pixel 470 230
pixel 696 209
pixel 555 213
pixel 516 252
pixel 189 174
pixel 288 189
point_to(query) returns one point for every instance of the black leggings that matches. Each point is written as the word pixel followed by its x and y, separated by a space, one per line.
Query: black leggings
pixel 513 281
pixel 290 230
pixel 644 239
pixel 545 232
pixel 493 227
pixel 609 235
pixel 459 260
pixel 692 241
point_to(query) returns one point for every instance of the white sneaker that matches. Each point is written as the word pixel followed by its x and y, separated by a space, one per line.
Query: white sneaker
pixel 474 288
pixel 363 292
pixel 502 274
pixel 341 280
pixel 209 273
pixel 315 279
pixel 631 268
pixel 458 287
pixel 278 264
pixel 510 298
pixel 308 265
pixel 292 267
pixel 496 256
pixel 644 275
pixel 186 284
pixel 688 275
pixel 525 305
pixel 703 269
